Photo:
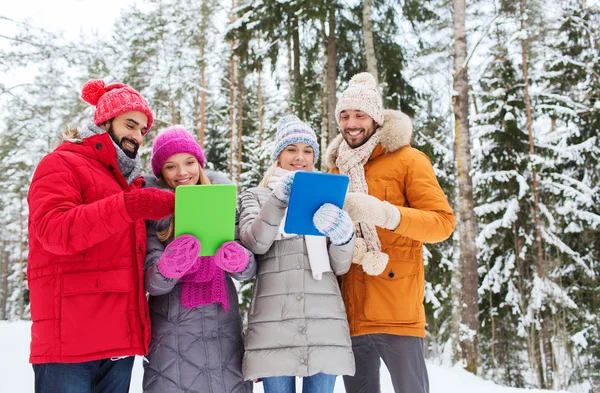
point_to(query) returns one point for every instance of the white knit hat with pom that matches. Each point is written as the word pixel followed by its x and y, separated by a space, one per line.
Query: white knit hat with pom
pixel 361 95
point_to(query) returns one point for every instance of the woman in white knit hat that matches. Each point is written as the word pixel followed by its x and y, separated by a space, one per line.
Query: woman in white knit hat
pixel 297 324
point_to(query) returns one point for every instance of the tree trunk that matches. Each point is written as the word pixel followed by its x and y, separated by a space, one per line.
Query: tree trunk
pixel 259 108
pixel 21 259
pixel 324 108
pixel 455 285
pixel 492 328
pixel 299 108
pixel 534 185
pixel 202 128
pixel 331 75
pixel 240 117
pixel 367 26
pixel 549 363
pixel 4 282
pixel 548 370
pixel 232 100
pixel 536 355
pixel 466 222
pixel 173 110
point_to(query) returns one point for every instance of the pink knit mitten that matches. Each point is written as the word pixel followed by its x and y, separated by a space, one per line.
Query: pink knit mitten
pixel 232 257
pixel 179 256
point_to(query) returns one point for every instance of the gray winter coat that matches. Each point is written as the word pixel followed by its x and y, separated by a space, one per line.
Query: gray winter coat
pixel 297 325
pixel 192 350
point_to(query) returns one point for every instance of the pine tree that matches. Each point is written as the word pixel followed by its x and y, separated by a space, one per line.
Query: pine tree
pixel 501 192
pixel 569 99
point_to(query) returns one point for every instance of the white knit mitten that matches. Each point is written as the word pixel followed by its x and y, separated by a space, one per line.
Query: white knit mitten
pixel 360 249
pixel 374 262
pixel 284 187
pixel 370 210
pixel 334 223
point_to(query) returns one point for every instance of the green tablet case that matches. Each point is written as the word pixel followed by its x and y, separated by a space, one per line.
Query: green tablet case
pixel 206 212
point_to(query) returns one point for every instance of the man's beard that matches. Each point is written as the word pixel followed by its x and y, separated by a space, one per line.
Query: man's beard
pixel 130 154
pixel 359 143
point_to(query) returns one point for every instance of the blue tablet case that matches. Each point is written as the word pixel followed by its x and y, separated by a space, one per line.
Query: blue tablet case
pixel 206 212
pixel 310 191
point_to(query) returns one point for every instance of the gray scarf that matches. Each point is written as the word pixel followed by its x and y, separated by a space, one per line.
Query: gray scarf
pixel 129 167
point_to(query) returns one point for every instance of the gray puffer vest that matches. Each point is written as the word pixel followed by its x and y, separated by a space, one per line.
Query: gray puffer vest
pixel 297 325
pixel 192 350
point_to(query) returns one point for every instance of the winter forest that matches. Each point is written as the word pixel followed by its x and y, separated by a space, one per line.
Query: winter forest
pixel 504 97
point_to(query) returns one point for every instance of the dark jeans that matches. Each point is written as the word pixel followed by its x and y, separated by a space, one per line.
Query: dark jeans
pixel 318 383
pixel 98 376
pixel 403 357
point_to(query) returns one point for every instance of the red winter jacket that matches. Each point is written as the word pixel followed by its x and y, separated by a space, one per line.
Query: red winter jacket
pixel 86 256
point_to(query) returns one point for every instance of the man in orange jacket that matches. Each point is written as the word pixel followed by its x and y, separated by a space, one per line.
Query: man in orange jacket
pixel 396 204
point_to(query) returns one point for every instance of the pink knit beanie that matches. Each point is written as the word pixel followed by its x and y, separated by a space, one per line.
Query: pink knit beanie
pixel 113 100
pixel 174 140
pixel 361 95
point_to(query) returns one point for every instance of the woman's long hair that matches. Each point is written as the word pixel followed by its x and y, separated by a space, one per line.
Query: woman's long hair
pixel 170 229
pixel 264 183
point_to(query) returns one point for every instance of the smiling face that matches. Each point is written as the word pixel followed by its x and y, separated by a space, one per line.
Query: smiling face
pixel 356 127
pixel 298 156
pixel 181 169
pixel 127 130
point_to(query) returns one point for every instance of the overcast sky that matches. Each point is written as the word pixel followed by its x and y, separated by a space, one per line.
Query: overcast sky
pixel 72 17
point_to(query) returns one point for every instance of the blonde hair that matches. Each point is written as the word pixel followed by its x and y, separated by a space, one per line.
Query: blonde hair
pixel 264 183
pixel 170 229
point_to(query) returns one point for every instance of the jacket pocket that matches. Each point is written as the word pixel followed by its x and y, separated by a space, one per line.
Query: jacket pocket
pixel 392 296
pixel 94 311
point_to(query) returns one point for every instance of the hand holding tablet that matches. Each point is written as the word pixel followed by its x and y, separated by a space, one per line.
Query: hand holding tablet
pixel 206 212
pixel 310 191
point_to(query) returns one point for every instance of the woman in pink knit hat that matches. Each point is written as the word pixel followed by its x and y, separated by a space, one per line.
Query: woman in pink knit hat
pixel 196 322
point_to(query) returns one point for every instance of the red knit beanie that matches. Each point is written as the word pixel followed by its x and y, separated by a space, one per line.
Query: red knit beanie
pixel 112 100
pixel 171 141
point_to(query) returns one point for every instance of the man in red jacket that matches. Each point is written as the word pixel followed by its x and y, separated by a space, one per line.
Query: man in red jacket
pixel 87 241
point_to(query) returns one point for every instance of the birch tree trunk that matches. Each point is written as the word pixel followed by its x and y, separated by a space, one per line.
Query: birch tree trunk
pixel 367 26
pixel 468 334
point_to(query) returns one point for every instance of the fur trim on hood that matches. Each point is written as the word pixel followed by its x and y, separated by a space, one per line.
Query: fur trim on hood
pixel 396 132
pixel 69 134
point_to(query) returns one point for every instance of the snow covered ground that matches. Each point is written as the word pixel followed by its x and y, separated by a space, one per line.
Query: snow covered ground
pixel 16 374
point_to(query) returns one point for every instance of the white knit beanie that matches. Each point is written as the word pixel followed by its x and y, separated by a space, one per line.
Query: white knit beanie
pixel 361 95
pixel 290 129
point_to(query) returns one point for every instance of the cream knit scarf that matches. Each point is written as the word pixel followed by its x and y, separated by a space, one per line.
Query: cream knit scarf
pixel 351 162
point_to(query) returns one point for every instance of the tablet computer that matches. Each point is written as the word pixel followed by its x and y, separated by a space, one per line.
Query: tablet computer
pixel 310 191
pixel 206 212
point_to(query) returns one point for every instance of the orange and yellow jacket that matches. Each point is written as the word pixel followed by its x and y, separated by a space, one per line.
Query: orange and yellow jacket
pixel 392 302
